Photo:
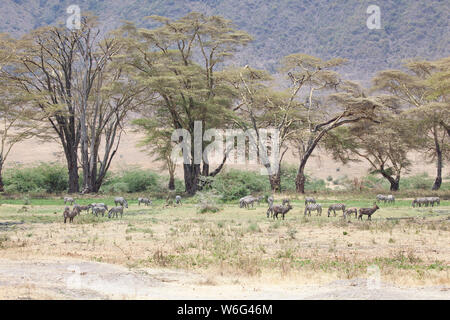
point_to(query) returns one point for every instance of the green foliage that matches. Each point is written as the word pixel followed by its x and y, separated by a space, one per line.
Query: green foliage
pixel 288 176
pixel 235 184
pixel 420 181
pixel 45 177
pixel 134 180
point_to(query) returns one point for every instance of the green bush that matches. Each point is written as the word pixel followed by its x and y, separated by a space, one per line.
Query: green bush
pixel 133 180
pixel 235 184
pixel 417 182
pixel 289 175
pixel 45 177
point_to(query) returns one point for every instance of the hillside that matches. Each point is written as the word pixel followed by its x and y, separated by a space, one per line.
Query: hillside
pixel 325 28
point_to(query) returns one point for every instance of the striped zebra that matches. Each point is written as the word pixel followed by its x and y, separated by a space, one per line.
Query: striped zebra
pixel 313 207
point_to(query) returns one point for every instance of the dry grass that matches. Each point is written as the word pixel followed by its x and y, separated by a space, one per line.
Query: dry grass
pixel 240 243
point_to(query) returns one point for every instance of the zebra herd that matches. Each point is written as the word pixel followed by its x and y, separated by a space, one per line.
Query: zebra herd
pixel 311 205
pixel 99 208
pixel 427 201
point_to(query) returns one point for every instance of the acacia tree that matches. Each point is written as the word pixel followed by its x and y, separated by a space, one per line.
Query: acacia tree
pixel 178 61
pixel 259 107
pixel 423 89
pixel 311 78
pixel 384 145
pixel 84 97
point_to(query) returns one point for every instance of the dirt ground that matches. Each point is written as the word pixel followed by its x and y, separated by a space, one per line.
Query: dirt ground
pixel 78 279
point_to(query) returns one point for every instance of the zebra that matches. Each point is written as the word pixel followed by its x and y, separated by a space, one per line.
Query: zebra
pixel 336 206
pixel 390 199
pixel 246 201
pixel 420 201
pixel 98 209
pixel 309 200
pixel 69 200
pixel 270 210
pixel 349 211
pixel 115 211
pixel 121 201
pixel 433 200
pixel 313 207
pixel 381 197
pixel 92 205
pixel 145 201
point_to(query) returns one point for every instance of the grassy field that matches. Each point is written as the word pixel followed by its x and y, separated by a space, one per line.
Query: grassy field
pixel 240 243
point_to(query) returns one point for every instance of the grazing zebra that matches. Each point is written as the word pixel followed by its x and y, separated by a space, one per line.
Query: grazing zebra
pixel 433 201
pixel 70 214
pixel 92 205
pixel 178 200
pixel 313 207
pixel 145 201
pixel 368 211
pixel 247 201
pixel 336 206
pixel 420 202
pixel 115 211
pixel 121 201
pixel 381 197
pixel 349 211
pixel 390 199
pixel 98 209
pixel 270 210
pixel 69 200
pixel 309 200
pixel 281 210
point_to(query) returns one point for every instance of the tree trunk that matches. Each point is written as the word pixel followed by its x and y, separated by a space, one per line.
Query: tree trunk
pixel 2 186
pixel 300 179
pixel 171 182
pixel 191 174
pixel 395 182
pixel 274 178
pixel 73 175
pixel 438 181
pixel 275 182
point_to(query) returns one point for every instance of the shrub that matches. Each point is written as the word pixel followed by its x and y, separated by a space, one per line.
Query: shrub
pixel 132 180
pixel 45 177
pixel 289 175
pixel 417 182
pixel 235 184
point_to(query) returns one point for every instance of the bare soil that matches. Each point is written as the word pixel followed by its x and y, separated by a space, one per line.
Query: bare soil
pixel 78 279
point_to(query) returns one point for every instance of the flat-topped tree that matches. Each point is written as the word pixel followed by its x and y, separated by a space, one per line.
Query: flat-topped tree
pixel 423 90
pixel 179 62
pixel 384 145
pixel 311 80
